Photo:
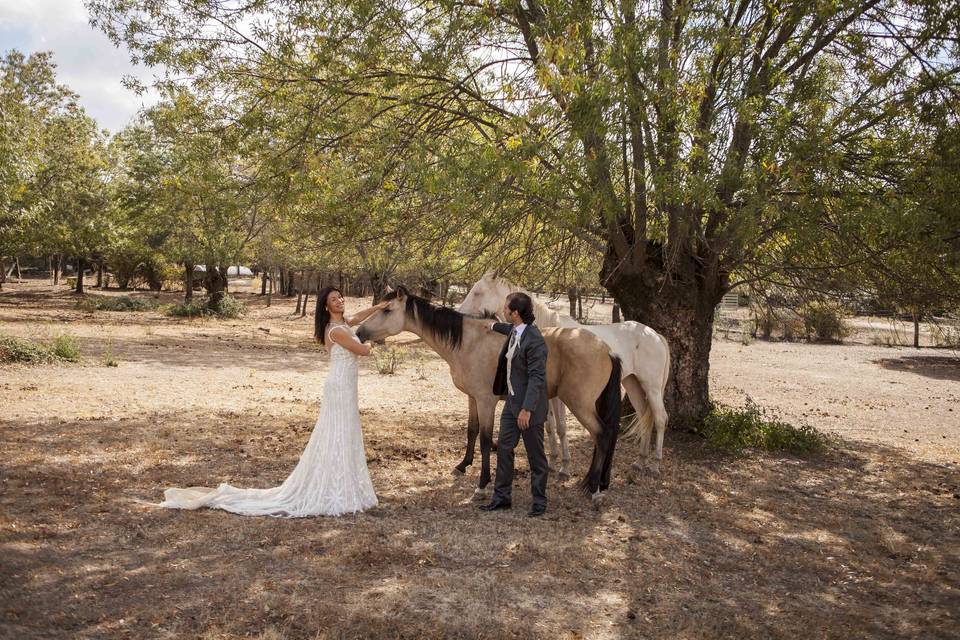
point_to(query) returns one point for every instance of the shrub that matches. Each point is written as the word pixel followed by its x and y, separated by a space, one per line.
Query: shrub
pixel 65 347
pixel 387 360
pixel 753 428
pixel 946 336
pixel 17 350
pixel 229 308
pixel 61 348
pixel 824 323
pixel 116 303
pixel 768 320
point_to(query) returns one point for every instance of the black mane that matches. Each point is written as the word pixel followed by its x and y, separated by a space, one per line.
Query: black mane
pixel 444 323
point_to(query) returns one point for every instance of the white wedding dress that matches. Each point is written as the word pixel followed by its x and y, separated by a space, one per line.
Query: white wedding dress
pixel 331 478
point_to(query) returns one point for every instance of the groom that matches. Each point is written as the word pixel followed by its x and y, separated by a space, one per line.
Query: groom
pixel 522 376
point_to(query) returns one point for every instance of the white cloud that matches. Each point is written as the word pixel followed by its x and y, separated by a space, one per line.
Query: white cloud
pixel 87 61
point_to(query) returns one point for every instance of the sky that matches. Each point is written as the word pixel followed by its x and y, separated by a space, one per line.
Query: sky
pixel 87 62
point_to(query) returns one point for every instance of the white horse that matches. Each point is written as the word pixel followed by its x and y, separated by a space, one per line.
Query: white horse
pixel 644 354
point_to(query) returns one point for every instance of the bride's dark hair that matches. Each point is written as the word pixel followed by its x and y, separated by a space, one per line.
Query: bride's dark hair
pixel 322 317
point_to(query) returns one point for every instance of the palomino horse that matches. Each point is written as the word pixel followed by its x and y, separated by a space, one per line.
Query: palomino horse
pixel 644 353
pixel 580 371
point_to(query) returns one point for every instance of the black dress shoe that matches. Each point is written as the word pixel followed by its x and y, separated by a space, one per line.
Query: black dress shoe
pixel 536 512
pixel 496 504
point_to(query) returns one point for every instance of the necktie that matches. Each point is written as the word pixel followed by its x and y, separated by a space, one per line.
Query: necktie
pixel 510 349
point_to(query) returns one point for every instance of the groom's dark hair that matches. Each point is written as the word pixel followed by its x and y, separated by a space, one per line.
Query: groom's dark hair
pixel 522 304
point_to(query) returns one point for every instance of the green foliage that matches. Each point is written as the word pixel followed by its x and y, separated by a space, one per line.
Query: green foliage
pixel 823 322
pixel 388 359
pixel 753 428
pixel 65 347
pixel 229 307
pixel 116 303
pixel 18 350
pixel 62 348
pixel 189 309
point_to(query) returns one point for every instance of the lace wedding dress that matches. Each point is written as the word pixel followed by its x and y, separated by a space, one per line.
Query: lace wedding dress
pixel 331 477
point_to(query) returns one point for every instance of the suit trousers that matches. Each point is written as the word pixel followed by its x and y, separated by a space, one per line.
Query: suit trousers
pixel 510 435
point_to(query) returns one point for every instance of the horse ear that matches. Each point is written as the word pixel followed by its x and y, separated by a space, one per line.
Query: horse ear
pixel 402 291
pixel 389 289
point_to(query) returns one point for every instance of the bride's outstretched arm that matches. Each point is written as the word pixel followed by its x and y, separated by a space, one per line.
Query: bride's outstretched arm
pixel 343 338
pixel 360 316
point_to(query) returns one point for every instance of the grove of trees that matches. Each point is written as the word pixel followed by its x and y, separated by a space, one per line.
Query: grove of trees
pixel 664 151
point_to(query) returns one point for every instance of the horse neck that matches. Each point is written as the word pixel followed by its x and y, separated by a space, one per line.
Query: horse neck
pixel 423 332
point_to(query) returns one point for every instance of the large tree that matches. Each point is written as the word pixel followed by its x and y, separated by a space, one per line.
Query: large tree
pixel 676 138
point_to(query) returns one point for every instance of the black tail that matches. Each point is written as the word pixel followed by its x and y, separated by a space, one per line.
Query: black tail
pixel 608 404
pixel 608 410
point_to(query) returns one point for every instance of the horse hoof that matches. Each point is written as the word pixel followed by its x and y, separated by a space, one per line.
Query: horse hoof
pixel 479 494
pixel 458 472
pixel 563 476
pixel 637 466
pixel 597 499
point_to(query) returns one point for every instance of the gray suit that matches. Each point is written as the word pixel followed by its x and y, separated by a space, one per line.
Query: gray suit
pixel 528 377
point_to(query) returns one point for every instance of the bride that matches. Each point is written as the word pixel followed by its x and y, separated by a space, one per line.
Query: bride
pixel 331 477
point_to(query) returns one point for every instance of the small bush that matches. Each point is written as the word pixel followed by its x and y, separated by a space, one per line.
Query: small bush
pixel 387 360
pixel 229 308
pixel 65 347
pixel 752 428
pixel 17 350
pixel 824 323
pixel 768 321
pixel 116 303
pixel 946 336
pixel 62 348
pixel 108 359
pixel 192 309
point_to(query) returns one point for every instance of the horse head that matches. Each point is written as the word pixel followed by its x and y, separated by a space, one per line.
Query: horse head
pixel 388 321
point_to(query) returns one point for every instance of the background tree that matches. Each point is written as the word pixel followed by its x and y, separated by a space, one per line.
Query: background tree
pixel 675 138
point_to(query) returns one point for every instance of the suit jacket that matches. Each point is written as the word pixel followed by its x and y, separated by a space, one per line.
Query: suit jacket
pixel 528 373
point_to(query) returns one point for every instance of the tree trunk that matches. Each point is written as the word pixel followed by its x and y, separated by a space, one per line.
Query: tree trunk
pixel 681 308
pixel 263 282
pixel 378 284
pixel 215 283
pixel 572 297
pixel 579 307
pixel 299 294
pixel 100 275
pixel 80 264
pixel 445 292
pixel 270 290
pixel 57 265
pixel 306 294
pixel 3 272
pixel 188 269
pixel 616 313
pixel 916 329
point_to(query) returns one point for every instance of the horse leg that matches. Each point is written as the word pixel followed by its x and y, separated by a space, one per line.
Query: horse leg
pixel 659 422
pixel 485 413
pixel 635 391
pixel 551 428
pixel 591 482
pixel 564 473
pixel 473 427
pixel 660 419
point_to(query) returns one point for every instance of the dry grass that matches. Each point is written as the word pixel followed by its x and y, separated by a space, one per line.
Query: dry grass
pixel 859 542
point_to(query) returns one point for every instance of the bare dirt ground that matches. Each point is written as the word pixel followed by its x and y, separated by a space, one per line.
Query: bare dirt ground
pixel 859 542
